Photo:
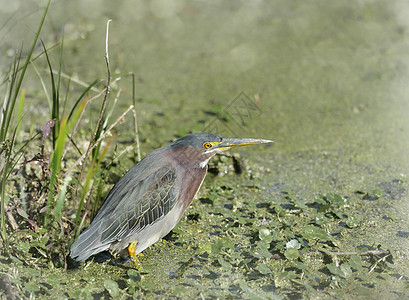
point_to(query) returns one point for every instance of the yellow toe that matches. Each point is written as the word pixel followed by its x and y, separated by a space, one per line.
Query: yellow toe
pixel 132 255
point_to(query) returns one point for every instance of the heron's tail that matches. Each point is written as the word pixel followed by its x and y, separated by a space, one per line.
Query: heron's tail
pixel 88 244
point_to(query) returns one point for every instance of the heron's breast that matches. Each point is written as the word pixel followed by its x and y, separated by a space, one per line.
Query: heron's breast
pixel 190 184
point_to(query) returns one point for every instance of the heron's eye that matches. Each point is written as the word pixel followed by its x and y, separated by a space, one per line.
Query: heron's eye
pixel 207 145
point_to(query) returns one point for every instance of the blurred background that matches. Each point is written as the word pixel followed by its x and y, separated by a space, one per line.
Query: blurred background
pixel 322 74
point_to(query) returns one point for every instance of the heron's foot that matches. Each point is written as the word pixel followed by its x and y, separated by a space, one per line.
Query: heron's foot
pixel 133 256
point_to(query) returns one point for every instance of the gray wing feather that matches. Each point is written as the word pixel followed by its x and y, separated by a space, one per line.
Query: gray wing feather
pixel 129 207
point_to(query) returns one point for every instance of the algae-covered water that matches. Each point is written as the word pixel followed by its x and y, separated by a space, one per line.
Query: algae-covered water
pixel 326 80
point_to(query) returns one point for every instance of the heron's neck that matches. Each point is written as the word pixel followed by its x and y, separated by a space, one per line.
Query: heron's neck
pixel 190 158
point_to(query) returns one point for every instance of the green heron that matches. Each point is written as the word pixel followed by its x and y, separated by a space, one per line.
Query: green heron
pixel 151 198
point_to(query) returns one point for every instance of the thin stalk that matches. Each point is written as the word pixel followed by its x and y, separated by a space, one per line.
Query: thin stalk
pixel 4 166
pixel 91 174
pixel 91 144
pixel 89 87
pixel 106 133
pixel 47 96
pixel 135 118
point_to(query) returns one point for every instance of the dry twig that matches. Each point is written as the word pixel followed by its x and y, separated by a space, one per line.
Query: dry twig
pixel 101 113
pixel 108 132
pixel 366 253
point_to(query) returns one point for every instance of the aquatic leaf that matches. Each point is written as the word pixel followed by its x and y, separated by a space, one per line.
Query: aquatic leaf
pixel 225 264
pixel 334 269
pixel 265 235
pixel 242 220
pixel 287 275
pixel 275 236
pixel 205 247
pixel 112 288
pixel 262 250
pixel 346 269
pixel 343 271
pixel 352 222
pixel 299 203
pixel 280 211
pixel 355 262
pixel 373 281
pixel 324 208
pixel 245 288
pixel 338 214
pixel 293 244
pixel 216 248
pixel 263 269
pixel 31 288
pixel 312 232
pixel 83 294
pixel 288 233
pixel 53 279
pixel 216 293
pixel 33 272
pixel 319 199
pixel 378 193
pixel 178 229
pixel 300 265
pixel 291 253
pixel 147 285
pixel 308 287
pixel 321 219
pixel 133 275
pixel 24 247
pixel 336 200
pixel 227 243
pixel 178 290
pixel 220 244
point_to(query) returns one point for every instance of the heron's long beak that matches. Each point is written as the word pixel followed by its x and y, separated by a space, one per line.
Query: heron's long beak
pixel 230 143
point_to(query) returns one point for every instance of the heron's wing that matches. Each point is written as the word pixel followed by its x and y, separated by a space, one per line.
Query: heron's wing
pixel 130 206
pixel 137 210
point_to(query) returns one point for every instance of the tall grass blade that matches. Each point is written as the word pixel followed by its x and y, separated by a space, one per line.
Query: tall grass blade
pixel 5 170
pixel 55 167
pixel 89 87
pixel 8 102
pixel 4 164
pixel 20 109
pixel 55 108
pixel 60 69
pixel 47 96
pixel 55 162
pixel 84 192
pixel 59 205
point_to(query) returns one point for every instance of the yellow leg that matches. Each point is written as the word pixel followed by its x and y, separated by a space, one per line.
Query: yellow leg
pixel 132 255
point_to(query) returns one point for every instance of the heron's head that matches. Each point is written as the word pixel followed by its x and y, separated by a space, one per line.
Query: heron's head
pixel 197 148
